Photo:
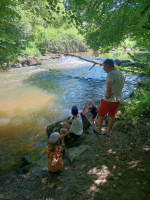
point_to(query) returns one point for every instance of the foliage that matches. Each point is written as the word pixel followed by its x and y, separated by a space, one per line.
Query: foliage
pixel 105 24
pixel 28 26
pixel 138 106
pixel 10 31
pixel 58 39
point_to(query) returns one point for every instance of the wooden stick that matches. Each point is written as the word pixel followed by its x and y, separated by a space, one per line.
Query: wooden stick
pixel 68 54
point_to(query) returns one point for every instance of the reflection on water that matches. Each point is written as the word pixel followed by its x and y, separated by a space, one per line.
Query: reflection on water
pixel 33 97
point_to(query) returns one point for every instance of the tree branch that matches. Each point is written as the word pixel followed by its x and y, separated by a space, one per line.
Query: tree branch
pixel 146 27
pixel 135 59
pixel 68 54
pixel 146 8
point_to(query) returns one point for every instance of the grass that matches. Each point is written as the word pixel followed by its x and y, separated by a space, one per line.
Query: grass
pixel 139 105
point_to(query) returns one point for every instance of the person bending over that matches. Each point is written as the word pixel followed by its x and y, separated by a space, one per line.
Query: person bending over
pixel 91 108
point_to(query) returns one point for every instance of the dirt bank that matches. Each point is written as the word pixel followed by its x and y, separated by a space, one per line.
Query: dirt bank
pixel 116 168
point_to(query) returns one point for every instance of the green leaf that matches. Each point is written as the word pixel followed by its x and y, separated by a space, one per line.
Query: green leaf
pixel 119 174
pixel 115 178
pixel 138 183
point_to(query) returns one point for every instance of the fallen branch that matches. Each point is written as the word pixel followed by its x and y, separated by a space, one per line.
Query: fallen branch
pixel 135 59
pixel 68 54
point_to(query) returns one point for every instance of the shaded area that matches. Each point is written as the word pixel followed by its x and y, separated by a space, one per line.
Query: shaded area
pixel 116 168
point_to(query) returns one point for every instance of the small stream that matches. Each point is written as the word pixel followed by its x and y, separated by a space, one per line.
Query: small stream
pixel 34 97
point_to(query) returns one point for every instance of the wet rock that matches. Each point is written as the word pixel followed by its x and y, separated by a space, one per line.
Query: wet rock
pixel 56 126
pixel 75 152
pixel 37 171
pixel 53 56
pixel 23 62
pixel 16 65
pixel 124 62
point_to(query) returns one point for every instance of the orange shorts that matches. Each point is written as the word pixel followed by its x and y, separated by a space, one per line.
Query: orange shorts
pixel 108 107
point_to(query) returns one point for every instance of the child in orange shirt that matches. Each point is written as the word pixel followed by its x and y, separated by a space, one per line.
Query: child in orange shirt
pixel 53 151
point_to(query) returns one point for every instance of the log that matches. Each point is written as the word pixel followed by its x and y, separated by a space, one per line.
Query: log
pixel 68 54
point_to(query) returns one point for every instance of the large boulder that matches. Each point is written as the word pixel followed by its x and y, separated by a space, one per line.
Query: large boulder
pixel 56 126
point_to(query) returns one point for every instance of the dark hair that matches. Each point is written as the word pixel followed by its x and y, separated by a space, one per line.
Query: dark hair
pixel 109 62
pixel 74 110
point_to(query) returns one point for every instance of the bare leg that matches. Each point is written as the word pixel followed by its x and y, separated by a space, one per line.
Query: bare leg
pixel 63 131
pixel 100 122
pixel 66 125
pixel 110 125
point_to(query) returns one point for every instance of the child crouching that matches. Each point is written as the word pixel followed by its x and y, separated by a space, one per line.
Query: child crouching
pixel 53 151
pixel 91 108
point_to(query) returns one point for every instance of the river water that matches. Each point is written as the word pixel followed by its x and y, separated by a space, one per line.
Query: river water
pixel 34 97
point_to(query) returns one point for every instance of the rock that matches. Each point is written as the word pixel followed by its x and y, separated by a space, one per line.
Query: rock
pixel 16 65
pixel 54 56
pixel 37 171
pixel 90 129
pixel 86 123
pixel 75 152
pixel 56 126
pixel 33 61
pixel 124 62
pixel 23 62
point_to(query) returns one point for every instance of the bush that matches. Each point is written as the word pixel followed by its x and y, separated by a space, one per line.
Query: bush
pixel 139 106
pixel 60 40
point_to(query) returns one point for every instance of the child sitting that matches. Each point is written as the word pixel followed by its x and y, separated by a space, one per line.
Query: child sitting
pixel 53 151
pixel 75 129
pixel 91 108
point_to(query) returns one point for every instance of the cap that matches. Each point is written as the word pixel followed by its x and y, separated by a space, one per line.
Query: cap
pixel 89 103
pixel 54 137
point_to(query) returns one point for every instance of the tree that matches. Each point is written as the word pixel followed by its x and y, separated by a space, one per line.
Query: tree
pixel 105 24
pixel 14 31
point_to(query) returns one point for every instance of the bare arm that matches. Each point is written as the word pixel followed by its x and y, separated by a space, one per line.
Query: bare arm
pixel 67 133
pixel 108 93
pixel 83 110
pixel 88 112
pixel 44 151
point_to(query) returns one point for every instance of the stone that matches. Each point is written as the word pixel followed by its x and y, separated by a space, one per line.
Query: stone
pixel 56 126
pixel 37 171
pixel 33 61
pixel 75 152
pixel 90 129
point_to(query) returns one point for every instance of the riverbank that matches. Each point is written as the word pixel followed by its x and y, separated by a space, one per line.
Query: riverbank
pixel 117 168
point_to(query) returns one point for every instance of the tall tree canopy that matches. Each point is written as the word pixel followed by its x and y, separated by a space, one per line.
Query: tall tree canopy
pixel 105 24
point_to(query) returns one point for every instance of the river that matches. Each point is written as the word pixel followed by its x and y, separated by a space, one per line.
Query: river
pixel 34 97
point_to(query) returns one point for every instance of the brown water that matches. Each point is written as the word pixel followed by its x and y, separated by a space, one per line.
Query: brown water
pixel 24 115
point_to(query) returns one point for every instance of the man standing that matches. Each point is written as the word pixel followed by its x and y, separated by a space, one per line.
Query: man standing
pixel 109 104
